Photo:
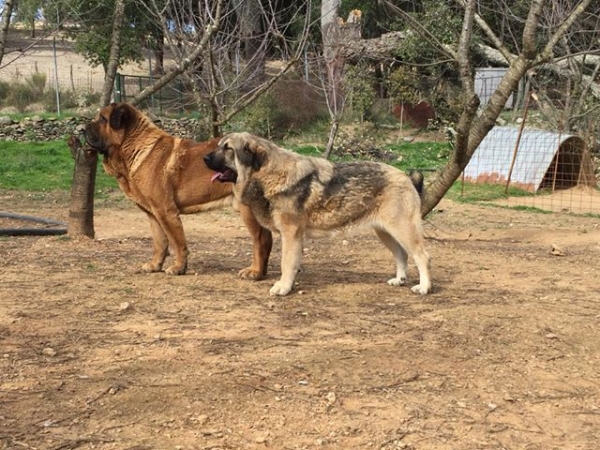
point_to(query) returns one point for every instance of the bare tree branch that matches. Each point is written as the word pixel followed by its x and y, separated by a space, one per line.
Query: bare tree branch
pixel 496 41
pixel 546 54
pixel 530 30
pixel 211 28
pixel 422 31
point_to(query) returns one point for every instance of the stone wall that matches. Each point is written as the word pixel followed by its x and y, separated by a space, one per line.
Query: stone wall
pixel 38 129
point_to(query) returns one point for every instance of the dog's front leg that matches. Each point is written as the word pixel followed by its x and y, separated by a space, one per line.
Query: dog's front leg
pixel 169 220
pixel 160 245
pixel 262 241
pixel 291 254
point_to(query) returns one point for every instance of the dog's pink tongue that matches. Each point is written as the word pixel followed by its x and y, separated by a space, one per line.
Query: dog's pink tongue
pixel 215 176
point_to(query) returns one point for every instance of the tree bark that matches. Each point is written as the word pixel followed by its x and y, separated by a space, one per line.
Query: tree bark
pixel 81 211
pixel 4 25
pixel 115 50
pixel 334 61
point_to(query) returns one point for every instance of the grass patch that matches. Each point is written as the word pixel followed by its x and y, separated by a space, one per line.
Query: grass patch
pixel 420 155
pixel 18 117
pixel 530 209
pixel 308 150
pixel 427 156
pixel 480 192
pixel 42 166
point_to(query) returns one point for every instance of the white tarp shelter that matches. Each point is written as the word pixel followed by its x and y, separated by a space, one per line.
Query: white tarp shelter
pixel 543 159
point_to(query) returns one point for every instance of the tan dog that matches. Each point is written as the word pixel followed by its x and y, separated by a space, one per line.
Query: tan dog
pixel 296 195
pixel 165 177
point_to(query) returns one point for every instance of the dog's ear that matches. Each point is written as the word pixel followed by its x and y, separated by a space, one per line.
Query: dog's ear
pixel 252 155
pixel 120 116
pixel 259 158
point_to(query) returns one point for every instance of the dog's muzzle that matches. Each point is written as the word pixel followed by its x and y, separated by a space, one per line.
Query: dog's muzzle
pixel 222 173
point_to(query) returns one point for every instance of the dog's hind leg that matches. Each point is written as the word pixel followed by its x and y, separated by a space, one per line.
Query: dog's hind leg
pixel 409 236
pixel 400 257
pixel 291 254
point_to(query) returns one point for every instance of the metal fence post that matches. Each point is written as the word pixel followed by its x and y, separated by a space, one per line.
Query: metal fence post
pixel 117 91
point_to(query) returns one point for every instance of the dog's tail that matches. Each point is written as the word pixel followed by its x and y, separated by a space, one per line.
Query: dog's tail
pixel 416 176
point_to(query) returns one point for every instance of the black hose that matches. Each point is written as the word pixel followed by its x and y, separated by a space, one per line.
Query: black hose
pixel 32 231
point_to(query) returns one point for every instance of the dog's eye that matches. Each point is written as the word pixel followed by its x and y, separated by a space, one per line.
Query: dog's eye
pixel 103 119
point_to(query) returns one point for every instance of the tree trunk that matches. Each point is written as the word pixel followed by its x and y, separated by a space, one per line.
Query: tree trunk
pixel 115 50
pixel 81 212
pixel 4 24
pixel 249 17
pixel 471 130
pixel 332 134
pixel 158 44
pixel 334 61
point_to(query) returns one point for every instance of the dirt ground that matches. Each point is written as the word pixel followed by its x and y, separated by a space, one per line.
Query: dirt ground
pixel 504 354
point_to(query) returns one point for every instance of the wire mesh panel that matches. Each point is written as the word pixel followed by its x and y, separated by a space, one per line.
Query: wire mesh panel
pixel 537 168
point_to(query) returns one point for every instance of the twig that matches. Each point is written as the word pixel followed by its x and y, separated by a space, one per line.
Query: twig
pixel 19 443
pixel 79 442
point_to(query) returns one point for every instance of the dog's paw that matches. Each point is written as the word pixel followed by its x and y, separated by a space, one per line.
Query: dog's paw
pixel 249 273
pixel 280 288
pixel 397 281
pixel 150 268
pixel 175 270
pixel 418 289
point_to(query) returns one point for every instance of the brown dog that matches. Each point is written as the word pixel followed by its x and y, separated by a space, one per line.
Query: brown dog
pixel 166 176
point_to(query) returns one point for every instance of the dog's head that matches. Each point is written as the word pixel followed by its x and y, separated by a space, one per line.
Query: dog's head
pixel 108 130
pixel 237 153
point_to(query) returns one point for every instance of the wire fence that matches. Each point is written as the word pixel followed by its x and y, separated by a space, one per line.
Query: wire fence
pixel 81 87
pixel 531 162
pixel 534 163
pixel 172 98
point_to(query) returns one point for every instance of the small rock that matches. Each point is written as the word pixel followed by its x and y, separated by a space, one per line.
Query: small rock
pixel 49 351
pixel 331 398
pixel 125 306
pixel 261 439
pixel 408 138
pixel 556 251
pixel 551 336
pixel 202 419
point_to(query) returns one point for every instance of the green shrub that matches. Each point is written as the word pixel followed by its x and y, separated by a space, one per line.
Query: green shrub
pixel 88 98
pixel 4 91
pixel 359 90
pixel 68 100
pixel 258 117
pixel 37 84
pixel 20 96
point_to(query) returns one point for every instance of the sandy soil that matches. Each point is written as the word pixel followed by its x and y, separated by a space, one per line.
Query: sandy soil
pixel 504 354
